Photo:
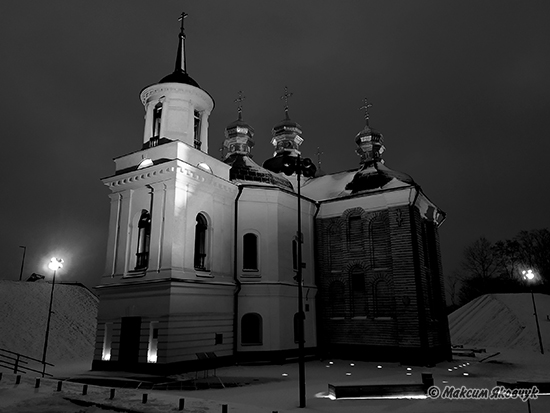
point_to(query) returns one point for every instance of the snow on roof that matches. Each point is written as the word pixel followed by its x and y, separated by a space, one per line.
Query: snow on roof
pixel 334 185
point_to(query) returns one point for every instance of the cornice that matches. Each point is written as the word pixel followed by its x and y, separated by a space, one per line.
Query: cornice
pixel 155 89
pixel 166 171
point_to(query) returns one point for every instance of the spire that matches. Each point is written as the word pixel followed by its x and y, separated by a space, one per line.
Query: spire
pixel 180 57
pixel 370 142
pixel 180 72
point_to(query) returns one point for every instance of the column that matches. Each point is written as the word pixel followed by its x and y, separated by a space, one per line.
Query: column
pixel 204 130
pixel 114 233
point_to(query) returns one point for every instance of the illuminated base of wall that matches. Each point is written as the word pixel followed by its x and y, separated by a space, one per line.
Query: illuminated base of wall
pixel 163 369
pixel 256 357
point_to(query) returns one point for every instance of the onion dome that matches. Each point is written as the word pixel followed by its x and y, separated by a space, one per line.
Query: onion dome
pixel 180 73
pixel 285 138
pixel 370 142
pixel 238 134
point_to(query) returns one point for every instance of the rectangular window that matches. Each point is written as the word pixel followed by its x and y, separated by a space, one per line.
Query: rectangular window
pixel 107 341
pixel 152 349
pixel 250 252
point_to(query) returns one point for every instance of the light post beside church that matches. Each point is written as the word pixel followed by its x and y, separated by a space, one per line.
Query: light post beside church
pixel 54 265
pixel 530 277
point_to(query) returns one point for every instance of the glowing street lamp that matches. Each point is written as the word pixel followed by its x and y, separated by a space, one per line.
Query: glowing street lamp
pixel 530 277
pixel 54 265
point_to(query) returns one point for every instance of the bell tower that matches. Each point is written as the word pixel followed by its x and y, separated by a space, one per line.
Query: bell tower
pixel 176 108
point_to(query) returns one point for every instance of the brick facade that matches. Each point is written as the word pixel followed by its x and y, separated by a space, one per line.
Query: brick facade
pixel 380 286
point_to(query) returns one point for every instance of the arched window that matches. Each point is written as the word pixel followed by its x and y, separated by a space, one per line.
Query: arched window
pixel 358 292
pixel 250 252
pixel 379 231
pixel 334 246
pixel 143 240
pixel 197 129
pixel 355 232
pixel 383 299
pixel 337 304
pixel 157 114
pixel 201 233
pixel 251 329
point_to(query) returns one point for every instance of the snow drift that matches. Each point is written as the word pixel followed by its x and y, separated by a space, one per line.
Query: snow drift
pixel 24 313
pixel 503 321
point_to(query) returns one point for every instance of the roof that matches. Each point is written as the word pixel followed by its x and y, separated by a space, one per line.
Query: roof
pixel 179 76
pixel 244 169
pixel 368 178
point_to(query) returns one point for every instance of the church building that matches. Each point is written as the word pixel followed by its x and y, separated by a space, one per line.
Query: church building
pixel 204 256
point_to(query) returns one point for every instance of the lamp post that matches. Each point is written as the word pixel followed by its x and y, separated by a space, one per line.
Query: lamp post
pixel 530 277
pixel 54 265
pixel 22 261
pixel 290 165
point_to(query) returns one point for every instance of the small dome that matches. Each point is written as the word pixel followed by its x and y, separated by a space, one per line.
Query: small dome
pixel 239 123
pixel 179 76
pixel 286 125
pixel 366 133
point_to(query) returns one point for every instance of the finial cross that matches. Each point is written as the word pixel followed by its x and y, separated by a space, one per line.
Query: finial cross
pixel 182 17
pixel 239 101
pixel 319 153
pixel 285 98
pixel 366 106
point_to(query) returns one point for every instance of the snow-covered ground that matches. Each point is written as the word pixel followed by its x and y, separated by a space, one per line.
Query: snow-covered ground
pixel 24 308
pixel 275 387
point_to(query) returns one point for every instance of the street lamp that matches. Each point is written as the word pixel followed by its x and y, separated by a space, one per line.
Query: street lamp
pixel 54 265
pixel 22 261
pixel 295 164
pixel 530 277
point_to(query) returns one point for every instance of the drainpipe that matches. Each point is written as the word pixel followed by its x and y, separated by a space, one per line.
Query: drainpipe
pixel 236 276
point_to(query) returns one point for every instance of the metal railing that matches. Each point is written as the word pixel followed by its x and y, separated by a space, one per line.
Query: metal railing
pixel 20 363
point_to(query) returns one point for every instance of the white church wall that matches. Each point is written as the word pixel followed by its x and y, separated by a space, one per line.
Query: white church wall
pixel 272 291
pixel 197 313
pixel 172 150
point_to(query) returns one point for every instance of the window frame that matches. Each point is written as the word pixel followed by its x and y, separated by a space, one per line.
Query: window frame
pixel 256 259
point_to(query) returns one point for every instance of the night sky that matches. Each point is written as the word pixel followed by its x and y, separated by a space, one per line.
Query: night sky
pixel 460 91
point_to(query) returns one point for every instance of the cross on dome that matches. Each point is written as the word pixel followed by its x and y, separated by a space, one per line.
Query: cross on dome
pixel 285 98
pixel 239 101
pixel 366 106
pixel 319 153
pixel 181 19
